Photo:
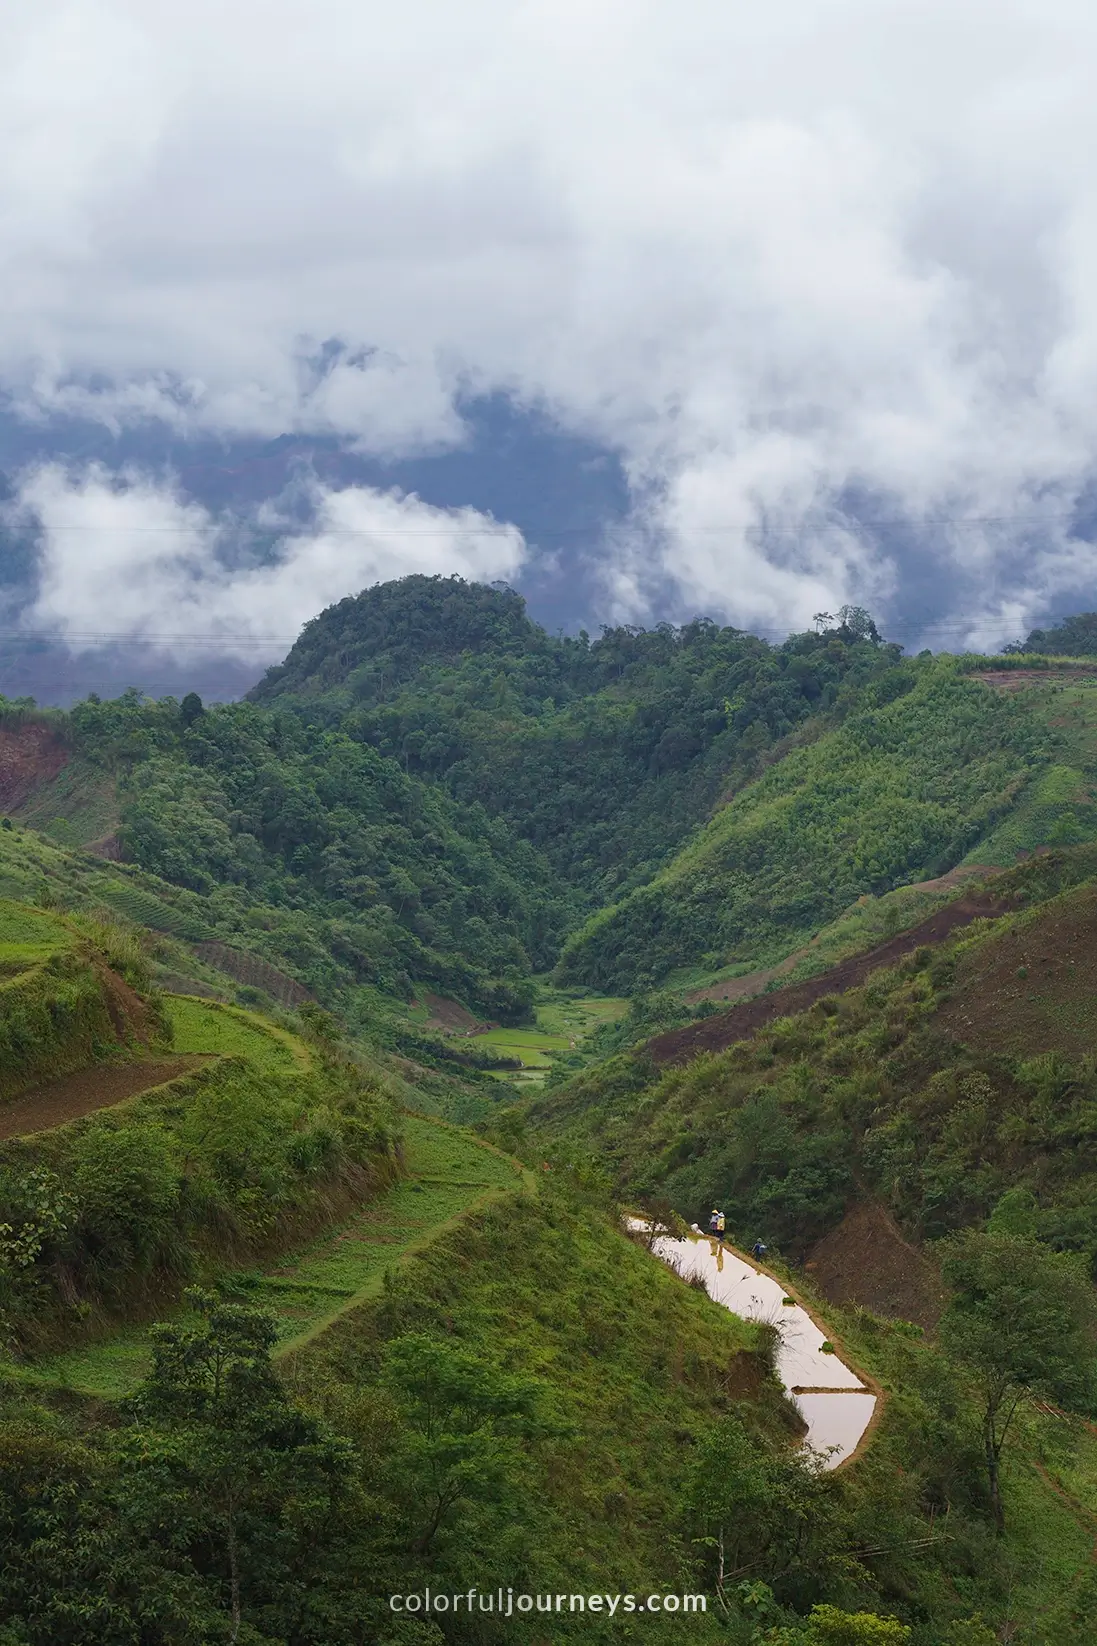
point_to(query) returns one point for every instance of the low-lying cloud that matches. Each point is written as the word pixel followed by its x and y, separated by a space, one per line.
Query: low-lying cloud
pixel 801 266
pixel 124 559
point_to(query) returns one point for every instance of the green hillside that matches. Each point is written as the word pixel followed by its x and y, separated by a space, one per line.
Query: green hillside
pixel 340 1027
pixel 911 782
pixel 955 1090
pixel 602 754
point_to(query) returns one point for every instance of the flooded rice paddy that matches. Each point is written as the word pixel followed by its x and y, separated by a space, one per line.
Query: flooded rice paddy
pixel 833 1400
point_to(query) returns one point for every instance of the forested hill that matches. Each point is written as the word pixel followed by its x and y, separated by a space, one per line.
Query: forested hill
pixel 433 791
pixel 602 754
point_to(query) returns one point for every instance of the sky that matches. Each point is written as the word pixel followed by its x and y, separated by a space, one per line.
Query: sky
pixel 647 310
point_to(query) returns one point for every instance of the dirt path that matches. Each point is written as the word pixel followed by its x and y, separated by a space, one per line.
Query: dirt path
pixel 88 1090
pixel 1015 680
pixel 714 1034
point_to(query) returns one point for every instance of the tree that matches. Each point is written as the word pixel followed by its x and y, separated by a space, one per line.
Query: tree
pixel 228 1475
pixel 858 624
pixel 190 708
pixel 827 1626
pixel 1023 1320
pixel 465 1420
pixel 759 1514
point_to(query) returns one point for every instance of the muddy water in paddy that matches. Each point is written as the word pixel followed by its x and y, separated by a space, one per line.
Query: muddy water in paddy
pixel 834 1402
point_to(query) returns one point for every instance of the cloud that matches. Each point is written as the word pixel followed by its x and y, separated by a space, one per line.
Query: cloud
pixel 801 266
pixel 125 559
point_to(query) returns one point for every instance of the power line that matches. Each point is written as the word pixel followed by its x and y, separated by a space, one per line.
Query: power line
pixel 494 527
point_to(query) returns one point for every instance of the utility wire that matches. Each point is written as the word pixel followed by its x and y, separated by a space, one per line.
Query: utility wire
pixel 496 527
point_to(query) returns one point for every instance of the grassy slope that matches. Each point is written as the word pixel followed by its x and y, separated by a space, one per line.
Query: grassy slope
pixel 253 1151
pixel 168 919
pixel 636 1361
pixel 1036 1585
pixel 1060 806
pixel 940 1086
pixel 927 1083
pixel 227 1031
pixel 76 807
pixel 62 1008
pixel 899 792
pixel 310 1286
pixel 886 797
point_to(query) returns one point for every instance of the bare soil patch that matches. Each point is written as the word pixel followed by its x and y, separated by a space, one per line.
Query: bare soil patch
pixel 715 1034
pixel 87 1091
pixel 866 1261
pixel 1032 989
pixel 129 1014
pixel 1014 680
pixel 254 972
pixel 31 756
pixel 108 847
pixel 448 1016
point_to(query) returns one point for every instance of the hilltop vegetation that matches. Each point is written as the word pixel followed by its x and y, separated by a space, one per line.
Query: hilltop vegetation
pixel 601 754
pixel 432 791
pixel 920 769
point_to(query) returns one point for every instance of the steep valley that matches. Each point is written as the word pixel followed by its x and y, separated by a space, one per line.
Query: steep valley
pixel 344 1029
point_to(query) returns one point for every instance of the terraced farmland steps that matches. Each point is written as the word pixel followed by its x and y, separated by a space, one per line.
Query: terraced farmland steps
pixel 450 1173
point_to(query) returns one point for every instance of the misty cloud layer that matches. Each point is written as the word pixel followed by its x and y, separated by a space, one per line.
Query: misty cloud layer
pixel 823 275
pixel 122 559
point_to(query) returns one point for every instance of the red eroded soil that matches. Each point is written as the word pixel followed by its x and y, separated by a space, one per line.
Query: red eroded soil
pixel 88 1090
pixel 31 755
pixel 714 1034
pixel 866 1261
pixel 129 1014
pixel 448 1016
pixel 1013 680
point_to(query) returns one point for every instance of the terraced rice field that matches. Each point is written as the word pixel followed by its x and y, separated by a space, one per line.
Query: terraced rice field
pixel 530 1047
pixel 449 1173
pixel 230 1031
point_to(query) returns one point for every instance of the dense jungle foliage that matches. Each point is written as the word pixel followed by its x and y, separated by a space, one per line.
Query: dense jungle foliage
pixel 601 754
pixel 433 790
pixel 1074 637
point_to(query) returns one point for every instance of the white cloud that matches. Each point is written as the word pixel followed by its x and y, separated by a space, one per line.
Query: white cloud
pixel 773 255
pixel 124 558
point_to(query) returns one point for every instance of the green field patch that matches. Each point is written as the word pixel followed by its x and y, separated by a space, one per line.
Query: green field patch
pixel 449 1172
pixel 532 1048
pixel 28 937
pixel 229 1031
pixel 149 910
pixel 576 1016
pixel 111 1369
